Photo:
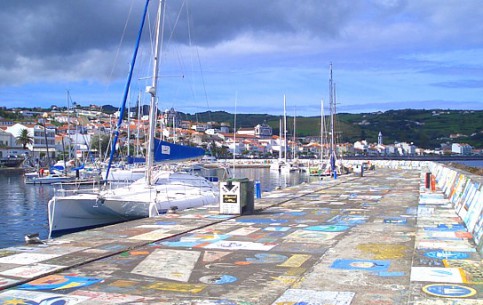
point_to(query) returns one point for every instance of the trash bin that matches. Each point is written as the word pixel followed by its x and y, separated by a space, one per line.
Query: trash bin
pixel 236 196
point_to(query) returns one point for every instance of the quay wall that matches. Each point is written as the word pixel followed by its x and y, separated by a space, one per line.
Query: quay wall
pixel 463 189
pixel 465 192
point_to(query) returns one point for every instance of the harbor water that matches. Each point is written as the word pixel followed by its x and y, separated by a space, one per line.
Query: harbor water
pixel 23 207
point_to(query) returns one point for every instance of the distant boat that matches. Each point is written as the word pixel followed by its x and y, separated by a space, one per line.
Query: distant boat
pixel 11 161
pixel 49 179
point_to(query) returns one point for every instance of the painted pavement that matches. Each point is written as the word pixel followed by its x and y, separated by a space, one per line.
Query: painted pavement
pixel 378 239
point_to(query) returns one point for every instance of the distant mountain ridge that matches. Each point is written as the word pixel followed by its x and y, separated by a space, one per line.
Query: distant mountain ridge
pixel 425 128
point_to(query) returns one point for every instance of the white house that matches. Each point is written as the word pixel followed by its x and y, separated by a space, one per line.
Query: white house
pixel 461 149
pixel 263 130
pixel 361 146
pixel 8 144
pixel 39 134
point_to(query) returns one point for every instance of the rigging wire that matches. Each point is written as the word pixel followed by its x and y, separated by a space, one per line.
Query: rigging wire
pixel 120 44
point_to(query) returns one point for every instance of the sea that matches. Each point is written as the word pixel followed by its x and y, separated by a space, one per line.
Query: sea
pixel 23 207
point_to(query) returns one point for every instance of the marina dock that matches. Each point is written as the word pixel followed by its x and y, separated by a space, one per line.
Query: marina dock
pixel 379 238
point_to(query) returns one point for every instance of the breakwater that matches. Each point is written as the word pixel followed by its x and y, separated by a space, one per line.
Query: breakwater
pixel 380 238
pixel 465 192
pixel 463 189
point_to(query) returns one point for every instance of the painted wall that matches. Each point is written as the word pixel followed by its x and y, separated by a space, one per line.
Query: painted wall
pixel 465 191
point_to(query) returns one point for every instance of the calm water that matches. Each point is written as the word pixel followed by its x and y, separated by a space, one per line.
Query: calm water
pixel 23 207
pixel 472 163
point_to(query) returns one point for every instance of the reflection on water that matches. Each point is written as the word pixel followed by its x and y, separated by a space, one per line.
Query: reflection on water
pixel 270 179
pixel 23 207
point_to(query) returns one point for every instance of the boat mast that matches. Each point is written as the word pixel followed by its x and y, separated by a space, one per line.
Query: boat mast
pixel 294 134
pixel 280 139
pixel 152 90
pixel 332 111
pixel 322 130
pixel 284 128
pixel 126 91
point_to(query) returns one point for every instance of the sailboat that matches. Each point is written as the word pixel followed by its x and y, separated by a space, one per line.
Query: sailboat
pixel 157 192
pixel 282 164
pixel 332 166
pixel 276 164
pixel 321 169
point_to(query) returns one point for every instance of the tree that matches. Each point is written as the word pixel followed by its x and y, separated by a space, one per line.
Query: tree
pixel 24 138
pixel 100 142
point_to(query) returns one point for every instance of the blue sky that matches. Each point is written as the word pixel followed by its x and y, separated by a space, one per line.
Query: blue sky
pixel 246 54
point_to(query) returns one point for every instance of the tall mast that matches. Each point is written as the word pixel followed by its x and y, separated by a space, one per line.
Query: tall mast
pixel 322 130
pixel 294 134
pixel 332 110
pixel 126 91
pixel 284 128
pixel 153 108
pixel 280 140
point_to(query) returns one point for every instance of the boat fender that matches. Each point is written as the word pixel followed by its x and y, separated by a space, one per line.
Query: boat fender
pixel 172 210
pixel 100 200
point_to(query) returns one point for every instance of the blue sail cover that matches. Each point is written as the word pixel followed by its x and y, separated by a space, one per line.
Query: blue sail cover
pixel 165 151
pixel 132 160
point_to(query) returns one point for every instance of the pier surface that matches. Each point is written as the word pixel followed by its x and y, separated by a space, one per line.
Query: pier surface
pixel 378 239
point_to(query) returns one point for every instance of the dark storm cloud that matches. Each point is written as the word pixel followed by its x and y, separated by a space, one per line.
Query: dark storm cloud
pixel 78 39
pixel 49 28
pixel 214 21
pixel 263 46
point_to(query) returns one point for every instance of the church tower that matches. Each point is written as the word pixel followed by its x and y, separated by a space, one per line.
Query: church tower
pixel 379 139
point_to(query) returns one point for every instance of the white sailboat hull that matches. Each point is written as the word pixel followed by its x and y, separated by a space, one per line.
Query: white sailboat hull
pixel 135 201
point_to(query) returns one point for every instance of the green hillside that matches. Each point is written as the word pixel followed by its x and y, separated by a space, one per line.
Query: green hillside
pixel 425 128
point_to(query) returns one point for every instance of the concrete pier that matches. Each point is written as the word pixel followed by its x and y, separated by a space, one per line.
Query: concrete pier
pixel 379 239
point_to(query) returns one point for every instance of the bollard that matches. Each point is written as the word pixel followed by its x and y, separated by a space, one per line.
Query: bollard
pixel 433 183
pixel 258 189
pixel 362 170
pixel 427 181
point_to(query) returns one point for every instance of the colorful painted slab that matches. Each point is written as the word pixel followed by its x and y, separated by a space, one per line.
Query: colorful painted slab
pixel 363 265
pixel 473 270
pixel 59 282
pixel 175 265
pixel 328 228
pixel 449 291
pixel 436 275
pixel 314 297
pixel 243 231
pixel 447 301
pixel 35 297
pixel 266 258
pixel 26 258
pixel 4 282
pixel 442 254
pixel 316 237
pixel 97 297
pixel 153 235
pixel 31 271
pixel 239 245
pixel 218 279
pixel 295 261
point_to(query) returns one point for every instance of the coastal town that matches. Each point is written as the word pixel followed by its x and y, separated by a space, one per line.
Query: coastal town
pixel 84 133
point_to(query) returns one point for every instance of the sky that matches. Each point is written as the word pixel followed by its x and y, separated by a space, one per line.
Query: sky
pixel 244 56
